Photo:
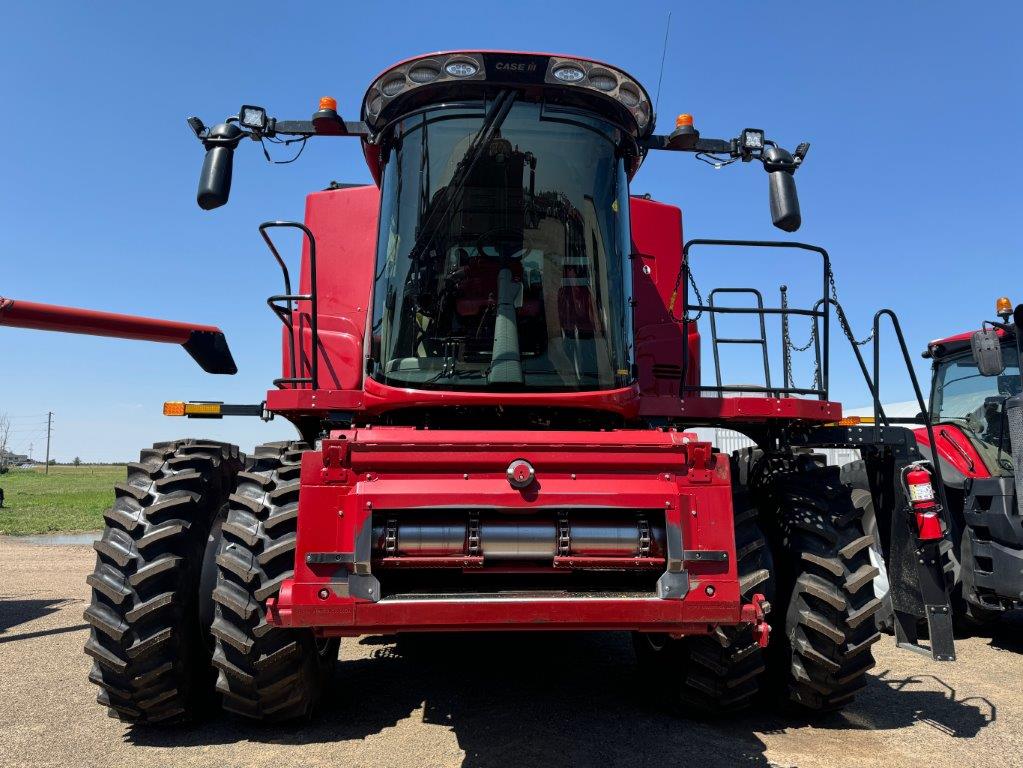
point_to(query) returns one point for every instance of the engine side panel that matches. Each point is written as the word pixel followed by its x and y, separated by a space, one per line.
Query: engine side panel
pixel 344 222
pixel 657 246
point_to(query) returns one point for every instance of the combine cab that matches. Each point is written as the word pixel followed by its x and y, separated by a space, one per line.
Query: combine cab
pixel 493 363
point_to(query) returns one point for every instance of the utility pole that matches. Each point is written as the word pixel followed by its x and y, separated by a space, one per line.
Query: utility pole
pixel 49 428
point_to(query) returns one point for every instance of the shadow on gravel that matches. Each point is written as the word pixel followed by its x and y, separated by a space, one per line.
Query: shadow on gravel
pixel 15 612
pixel 6 638
pixel 562 699
pixel 1007 633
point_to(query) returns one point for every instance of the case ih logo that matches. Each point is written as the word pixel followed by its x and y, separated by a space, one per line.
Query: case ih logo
pixel 515 66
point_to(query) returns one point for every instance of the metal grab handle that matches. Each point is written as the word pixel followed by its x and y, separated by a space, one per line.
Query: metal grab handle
pixel 716 340
pixel 879 415
pixel 285 313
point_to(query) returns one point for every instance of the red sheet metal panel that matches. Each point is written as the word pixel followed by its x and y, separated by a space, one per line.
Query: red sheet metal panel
pixel 657 258
pixel 746 409
pixel 360 473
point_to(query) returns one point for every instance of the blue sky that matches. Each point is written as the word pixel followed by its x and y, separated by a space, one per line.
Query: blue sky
pixel 913 110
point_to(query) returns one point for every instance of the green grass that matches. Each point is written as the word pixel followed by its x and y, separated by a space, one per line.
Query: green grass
pixel 67 499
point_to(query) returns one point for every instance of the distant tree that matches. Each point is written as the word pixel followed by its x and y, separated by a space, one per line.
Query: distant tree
pixel 77 462
pixel 5 433
pixel 53 462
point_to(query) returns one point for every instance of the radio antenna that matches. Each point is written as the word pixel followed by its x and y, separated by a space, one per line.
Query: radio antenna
pixel 664 53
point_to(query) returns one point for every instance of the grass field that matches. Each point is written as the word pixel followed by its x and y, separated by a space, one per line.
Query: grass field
pixel 68 499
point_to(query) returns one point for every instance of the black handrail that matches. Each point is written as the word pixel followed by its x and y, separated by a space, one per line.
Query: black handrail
pixel 817 315
pixel 716 340
pixel 285 313
pixel 881 418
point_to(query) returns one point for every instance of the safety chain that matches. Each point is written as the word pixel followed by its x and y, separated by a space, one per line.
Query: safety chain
pixel 842 319
pixel 684 270
pixel 790 347
pixel 843 322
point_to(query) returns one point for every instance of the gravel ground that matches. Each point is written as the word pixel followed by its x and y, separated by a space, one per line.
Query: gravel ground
pixel 496 700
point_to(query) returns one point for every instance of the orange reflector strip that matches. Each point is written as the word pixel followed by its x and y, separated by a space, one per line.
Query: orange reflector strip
pixel 202 409
pixel 174 408
pixel 177 408
pixel 851 421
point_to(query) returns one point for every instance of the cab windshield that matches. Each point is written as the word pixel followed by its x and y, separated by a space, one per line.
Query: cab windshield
pixel 976 403
pixel 502 261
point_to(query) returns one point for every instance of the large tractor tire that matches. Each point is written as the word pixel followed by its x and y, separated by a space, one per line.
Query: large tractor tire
pixel 854 475
pixel 149 639
pixel 823 622
pixel 265 672
pixel 720 673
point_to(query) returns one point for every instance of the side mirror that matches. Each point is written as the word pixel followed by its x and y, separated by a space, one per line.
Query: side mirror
pixel 780 167
pixel 987 352
pixel 215 177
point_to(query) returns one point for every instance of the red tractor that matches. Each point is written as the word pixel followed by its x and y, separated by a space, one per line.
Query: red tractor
pixel 492 362
pixel 976 413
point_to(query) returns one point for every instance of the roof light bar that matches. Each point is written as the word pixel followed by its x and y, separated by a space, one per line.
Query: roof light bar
pixel 466 68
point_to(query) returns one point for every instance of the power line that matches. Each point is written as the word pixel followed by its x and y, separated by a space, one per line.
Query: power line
pixel 49 432
pixel 25 436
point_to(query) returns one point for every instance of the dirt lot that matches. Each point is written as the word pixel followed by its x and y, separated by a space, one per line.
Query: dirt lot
pixel 506 700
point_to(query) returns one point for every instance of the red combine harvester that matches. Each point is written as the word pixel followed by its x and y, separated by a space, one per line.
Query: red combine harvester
pixel 976 409
pixel 492 365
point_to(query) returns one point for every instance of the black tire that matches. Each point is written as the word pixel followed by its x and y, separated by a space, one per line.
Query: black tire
pixel 863 500
pixel 150 648
pixel 823 623
pixel 720 673
pixel 265 672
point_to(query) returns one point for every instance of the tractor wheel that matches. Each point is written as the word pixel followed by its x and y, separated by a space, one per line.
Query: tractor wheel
pixel 150 645
pixel 855 476
pixel 863 500
pixel 265 672
pixel 823 619
pixel 718 673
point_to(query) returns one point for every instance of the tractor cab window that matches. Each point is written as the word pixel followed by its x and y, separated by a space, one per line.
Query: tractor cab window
pixel 976 404
pixel 503 254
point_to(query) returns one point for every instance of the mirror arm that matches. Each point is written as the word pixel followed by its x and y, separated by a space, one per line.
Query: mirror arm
pixel 680 142
pixel 319 128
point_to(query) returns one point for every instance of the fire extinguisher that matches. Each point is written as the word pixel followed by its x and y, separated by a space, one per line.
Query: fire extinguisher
pixel 917 479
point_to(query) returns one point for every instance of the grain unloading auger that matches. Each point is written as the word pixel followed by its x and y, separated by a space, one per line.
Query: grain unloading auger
pixel 205 343
pixel 490 359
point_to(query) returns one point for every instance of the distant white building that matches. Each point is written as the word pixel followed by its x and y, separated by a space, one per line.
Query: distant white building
pixel 12 459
